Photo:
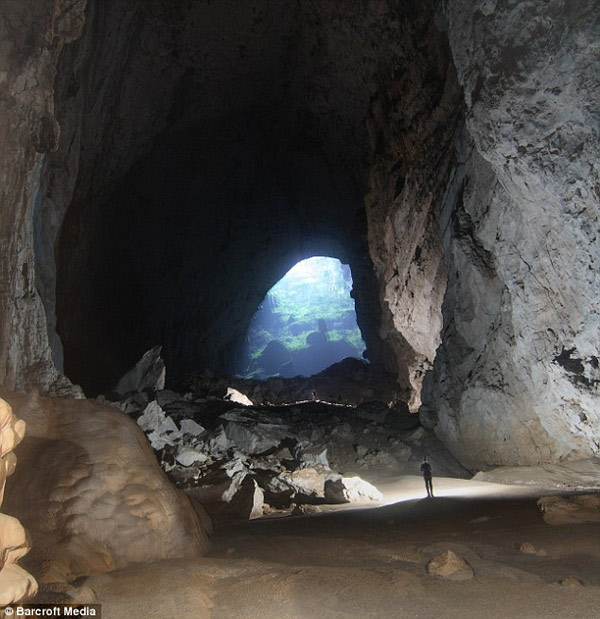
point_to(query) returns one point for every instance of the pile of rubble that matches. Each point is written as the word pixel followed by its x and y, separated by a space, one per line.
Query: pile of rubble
pixel 241 460
pixel 350 381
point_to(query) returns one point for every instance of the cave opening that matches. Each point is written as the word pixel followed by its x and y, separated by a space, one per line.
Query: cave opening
pixel 306 322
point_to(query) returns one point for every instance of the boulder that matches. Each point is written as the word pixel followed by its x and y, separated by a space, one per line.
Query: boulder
pixel 191 428
pixel 570 510
pixel 238 497
pixel 450 566
pixel 161 430
pixel 218 443
pixel 527 548
pixel 255 438
pixel 154 419
pixel 186 456
pixel 571 581
pixel 236 396
pixel 312 454
pixel 351 490
pixel 148 374
pixel 308 482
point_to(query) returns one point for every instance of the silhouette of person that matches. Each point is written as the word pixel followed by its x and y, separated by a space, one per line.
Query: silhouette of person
pixel 426 470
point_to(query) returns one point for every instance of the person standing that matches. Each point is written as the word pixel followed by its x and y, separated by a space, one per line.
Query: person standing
pixel 427 476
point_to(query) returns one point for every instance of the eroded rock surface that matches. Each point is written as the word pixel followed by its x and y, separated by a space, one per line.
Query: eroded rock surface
pixel 32 35
pixel 516 379
pixel 412 127
pixel 91 493
pixel 16 585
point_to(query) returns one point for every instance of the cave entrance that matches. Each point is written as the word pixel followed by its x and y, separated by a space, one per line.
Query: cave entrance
pixel 306 323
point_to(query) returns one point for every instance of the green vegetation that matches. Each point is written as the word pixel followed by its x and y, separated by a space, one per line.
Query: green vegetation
pixel 309 317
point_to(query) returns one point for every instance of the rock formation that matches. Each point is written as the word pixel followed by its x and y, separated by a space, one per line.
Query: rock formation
pixel 516 379
pixel 239 462
pixel 16 585
pixel 32 35
pixel 450 566
pixel 163 165
pixel 91 494
pixel 412 127
pixel 570 510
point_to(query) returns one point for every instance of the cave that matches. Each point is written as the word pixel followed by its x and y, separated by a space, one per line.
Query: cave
pixel 164 164
pixel 305 324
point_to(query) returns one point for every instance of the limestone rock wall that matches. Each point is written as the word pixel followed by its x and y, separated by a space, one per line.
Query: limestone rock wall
pixel 91 493
pixel 16 585
pixel 516 380
pixel 32 34
pixel 413 125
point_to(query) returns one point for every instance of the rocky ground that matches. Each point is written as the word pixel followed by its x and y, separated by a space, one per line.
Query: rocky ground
pixel 241 460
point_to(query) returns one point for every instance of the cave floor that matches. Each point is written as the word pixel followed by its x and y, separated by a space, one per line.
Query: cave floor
pixel 371 563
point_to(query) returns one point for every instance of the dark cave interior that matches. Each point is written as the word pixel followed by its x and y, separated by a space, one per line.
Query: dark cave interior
pixel 211 158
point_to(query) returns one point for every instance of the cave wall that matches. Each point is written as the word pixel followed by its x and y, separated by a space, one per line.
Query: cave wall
pixel 32 35
pixel 414 121
pixel 516 378
pixel 198 170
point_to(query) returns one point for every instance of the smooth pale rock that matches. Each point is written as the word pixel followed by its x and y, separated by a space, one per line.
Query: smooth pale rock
pixel 357 490
pixel 154 419
pixel 191 428
pixel 14 543
pixel 148 374
pixel 236 396
pixel 570 510
pixel 91 493
pixel 186 456
pixel 16 585
pixel 450 567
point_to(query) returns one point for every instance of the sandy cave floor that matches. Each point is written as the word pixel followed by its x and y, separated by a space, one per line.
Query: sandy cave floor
pixel 370 563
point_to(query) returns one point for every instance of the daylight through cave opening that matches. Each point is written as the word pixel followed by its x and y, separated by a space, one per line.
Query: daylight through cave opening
pixel 306 322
